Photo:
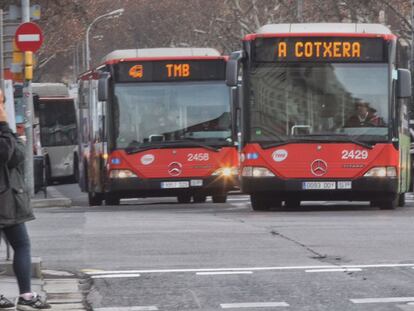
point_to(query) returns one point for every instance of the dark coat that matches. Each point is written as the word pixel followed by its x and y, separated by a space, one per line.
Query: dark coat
pixel 18 209
pixel 371 120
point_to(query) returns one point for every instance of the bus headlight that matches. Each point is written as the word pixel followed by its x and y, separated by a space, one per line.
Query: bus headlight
pixel 382 171
pixel 252 171
pixel 121 174
pixel 226 172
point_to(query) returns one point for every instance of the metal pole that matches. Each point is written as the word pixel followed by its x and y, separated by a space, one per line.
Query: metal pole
pixel 412 49
pixel 83 56
pixel 29 111
pixel 1 51
pixel 88 52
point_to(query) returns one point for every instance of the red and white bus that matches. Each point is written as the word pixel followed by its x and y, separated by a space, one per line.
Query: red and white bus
pixel 157 122
pixel 324 115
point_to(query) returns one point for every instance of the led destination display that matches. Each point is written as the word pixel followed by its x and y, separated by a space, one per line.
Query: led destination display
pixel 320 49
pixel 163 71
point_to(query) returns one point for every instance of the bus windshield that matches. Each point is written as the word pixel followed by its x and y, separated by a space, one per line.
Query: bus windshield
pixel 57 120
pixel 149 113
pixel 303 101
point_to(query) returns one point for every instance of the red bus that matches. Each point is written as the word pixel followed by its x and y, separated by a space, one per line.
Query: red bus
pixel 324 115
pixel 157 122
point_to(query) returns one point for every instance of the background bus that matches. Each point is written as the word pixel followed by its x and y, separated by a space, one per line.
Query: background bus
pixel 55 116
pixel 324 115
pixel 160 126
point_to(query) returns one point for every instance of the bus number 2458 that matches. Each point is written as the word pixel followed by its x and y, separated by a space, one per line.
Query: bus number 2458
pixel 197 157
pixel 354 154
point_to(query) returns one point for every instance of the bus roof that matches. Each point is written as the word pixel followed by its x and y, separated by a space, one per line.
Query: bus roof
pixel 160 53
pixel 50 89
pixel 321 28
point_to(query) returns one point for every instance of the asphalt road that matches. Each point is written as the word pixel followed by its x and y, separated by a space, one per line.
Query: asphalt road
pixel 156 254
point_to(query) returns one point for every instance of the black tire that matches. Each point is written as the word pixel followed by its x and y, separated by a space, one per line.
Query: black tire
pixel 95 199
pixel 75 177
pixel 260 203
pixel 219 198
pixel 292 203
pixel 401 199
pixel 199 198
pixel 48 173
pixel 112 200
pixel 184 198
pixel 388 204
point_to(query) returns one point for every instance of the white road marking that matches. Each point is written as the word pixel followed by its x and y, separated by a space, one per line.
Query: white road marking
pixel 383 300
pixel 137 308
pixel 121 275
pixel 253 305
pixel 253 269
pixel 333 270
pixel 28 38
pixel 239 199
pixel 224 272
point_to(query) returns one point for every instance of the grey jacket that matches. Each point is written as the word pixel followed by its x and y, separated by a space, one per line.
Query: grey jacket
pixel 18 209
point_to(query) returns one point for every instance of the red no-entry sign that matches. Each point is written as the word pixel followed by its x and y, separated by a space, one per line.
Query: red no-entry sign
pixel 28 37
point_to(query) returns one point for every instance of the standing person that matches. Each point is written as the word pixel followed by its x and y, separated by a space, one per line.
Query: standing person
pixel 15 210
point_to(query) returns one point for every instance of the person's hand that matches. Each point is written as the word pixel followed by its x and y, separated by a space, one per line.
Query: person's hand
pixel 3 115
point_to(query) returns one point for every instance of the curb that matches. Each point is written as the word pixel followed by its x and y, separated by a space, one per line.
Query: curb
pixel 7 267
pixel 54 202
pixel 64 290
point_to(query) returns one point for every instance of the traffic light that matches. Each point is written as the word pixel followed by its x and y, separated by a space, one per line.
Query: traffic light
pixel 28 65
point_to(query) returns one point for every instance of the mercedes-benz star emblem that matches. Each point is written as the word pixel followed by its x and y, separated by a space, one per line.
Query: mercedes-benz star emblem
pixel 175 169
pixel 319 167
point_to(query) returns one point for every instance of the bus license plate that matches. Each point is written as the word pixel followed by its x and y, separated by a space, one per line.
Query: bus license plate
pixel 319 185
pixel 175 184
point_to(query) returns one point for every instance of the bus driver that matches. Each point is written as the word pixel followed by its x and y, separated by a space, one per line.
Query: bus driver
pixel 365 116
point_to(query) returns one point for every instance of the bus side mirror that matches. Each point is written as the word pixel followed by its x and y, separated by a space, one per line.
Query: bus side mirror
pixel 404 83
pixel 234 110
pixel 103 87
pixel 232 68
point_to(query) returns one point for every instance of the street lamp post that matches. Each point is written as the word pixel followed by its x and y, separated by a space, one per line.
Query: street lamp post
pixel 110 14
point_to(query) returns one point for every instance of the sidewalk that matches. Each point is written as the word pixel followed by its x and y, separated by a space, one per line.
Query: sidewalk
pixel 53 199
pixel 63 290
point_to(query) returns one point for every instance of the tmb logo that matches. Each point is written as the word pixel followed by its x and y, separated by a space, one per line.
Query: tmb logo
pixel 280 155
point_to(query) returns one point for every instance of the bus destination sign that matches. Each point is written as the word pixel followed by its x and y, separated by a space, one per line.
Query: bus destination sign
pixel 320 49
pixel 173 70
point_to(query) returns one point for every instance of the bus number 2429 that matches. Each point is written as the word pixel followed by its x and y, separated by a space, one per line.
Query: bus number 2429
pixel 354 154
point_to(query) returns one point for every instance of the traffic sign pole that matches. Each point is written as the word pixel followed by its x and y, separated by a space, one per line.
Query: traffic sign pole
pixel 28 102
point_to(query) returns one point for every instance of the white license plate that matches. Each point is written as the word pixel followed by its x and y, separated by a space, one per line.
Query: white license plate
pixel 319 185
pixel 175 184
pixel 345 185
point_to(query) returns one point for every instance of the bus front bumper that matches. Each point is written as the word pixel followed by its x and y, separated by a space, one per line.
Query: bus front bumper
pixel 136 187
pixel 361 189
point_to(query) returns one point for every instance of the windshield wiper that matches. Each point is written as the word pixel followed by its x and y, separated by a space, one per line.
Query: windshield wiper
pixel 169 144
pixel 337 137
pixel 319 138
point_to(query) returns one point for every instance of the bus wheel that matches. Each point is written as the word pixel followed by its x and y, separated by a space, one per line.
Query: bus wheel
pixel 260 202
pixel 48 173
pixel 112 200
pixel 401 199
pixel 292 203
pixel 76 170
pixel 388 204
pixel 199 198
pixel 184 198
pixel 219 198
pixel 94 199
